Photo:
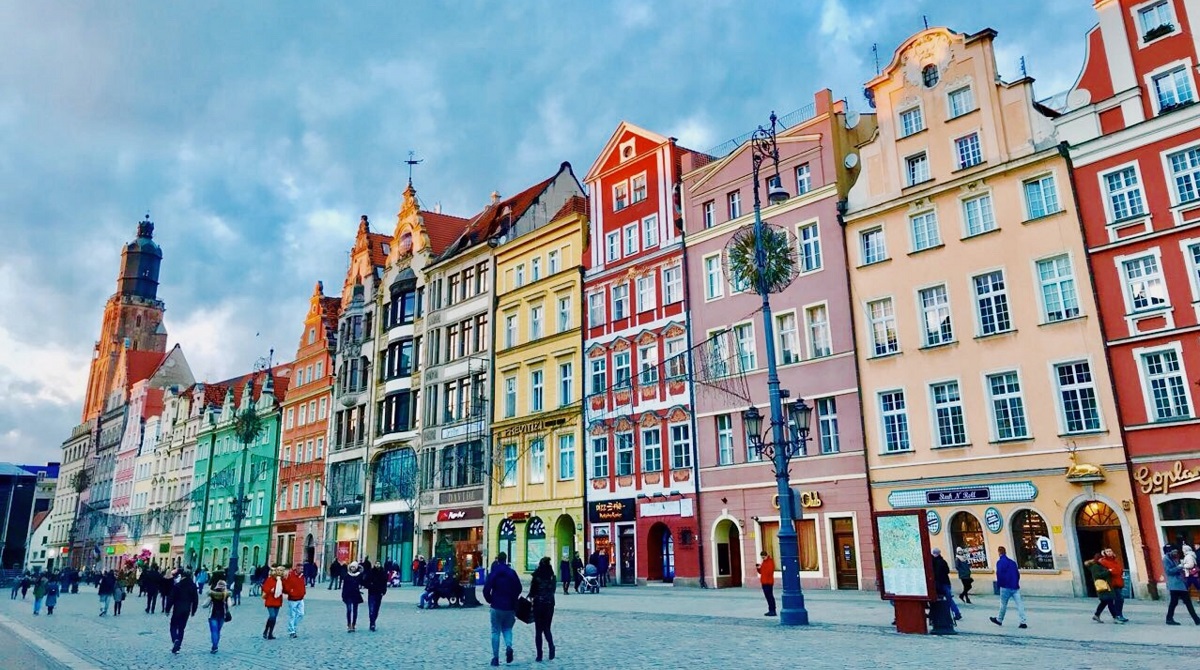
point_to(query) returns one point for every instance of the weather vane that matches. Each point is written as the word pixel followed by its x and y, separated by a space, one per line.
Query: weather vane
pixel 412 160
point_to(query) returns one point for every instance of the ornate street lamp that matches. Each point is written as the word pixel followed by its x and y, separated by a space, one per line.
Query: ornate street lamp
pixel 247 426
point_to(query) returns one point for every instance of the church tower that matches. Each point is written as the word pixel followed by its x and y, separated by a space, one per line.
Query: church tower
pixel 133 316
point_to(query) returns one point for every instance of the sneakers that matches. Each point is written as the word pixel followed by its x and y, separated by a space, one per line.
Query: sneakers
pixel 508 655
pixel 291 635
pixel 1172 622
pixel 995 621
pixel 770 614
pixel 1022 626
pixel 495 661
pixel 1096 618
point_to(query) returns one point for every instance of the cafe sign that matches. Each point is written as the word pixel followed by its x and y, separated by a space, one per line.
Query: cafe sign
pixel 1162 481
pixel 459 514
pixel 606 511
pixel 808 500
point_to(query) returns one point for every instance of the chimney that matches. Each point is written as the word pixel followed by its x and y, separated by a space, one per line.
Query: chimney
pixel 495 197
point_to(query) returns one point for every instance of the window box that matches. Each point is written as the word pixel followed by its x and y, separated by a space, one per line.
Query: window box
pixel 1155 33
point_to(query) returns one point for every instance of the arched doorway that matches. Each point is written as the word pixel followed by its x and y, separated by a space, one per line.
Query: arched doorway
pixel 966 532
pixel 310 549
pixel 661 565
pixel 728 541
pixel 1097 527
pixel 564 540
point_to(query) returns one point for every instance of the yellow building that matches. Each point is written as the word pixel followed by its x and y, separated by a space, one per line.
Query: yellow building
pixel 986 393
pixel 537 434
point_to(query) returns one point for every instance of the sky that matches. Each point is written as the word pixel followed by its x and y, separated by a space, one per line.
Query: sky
pixel 256 134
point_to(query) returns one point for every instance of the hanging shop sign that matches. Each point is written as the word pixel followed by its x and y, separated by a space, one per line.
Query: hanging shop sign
pixel 1004 492
pixel 607 511
pixel 460 497
pixel 933 522
pixel 459 514
pixel 993 519
pixel 1162 481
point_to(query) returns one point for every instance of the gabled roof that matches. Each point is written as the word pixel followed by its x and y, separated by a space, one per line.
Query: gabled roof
pixel 154 403
pixel 492 218
pixel 614 140
pixel 442 229
pixel 377 248
pixel 140 365
pixel 576 204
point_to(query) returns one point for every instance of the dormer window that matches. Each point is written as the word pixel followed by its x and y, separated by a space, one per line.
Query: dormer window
pixel 1156 20
pixel 930 76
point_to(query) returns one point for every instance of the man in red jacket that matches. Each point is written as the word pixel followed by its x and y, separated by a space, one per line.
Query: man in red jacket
pixel 1108 558
pixel 766 576
pixel 293 586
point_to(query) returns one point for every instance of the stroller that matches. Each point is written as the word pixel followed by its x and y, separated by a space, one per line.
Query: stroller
pixel 590 580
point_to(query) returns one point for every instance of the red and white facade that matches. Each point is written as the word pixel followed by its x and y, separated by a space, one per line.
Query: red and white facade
pixel 639 451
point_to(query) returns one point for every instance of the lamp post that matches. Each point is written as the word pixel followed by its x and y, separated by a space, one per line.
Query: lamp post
pixel 247 426
pixel 782 446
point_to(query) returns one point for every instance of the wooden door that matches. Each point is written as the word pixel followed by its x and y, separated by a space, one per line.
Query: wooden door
pixel 847 554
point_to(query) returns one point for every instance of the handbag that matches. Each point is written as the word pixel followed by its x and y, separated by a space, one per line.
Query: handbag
pixel 524 609
pixel 228 615
pixel 1102 586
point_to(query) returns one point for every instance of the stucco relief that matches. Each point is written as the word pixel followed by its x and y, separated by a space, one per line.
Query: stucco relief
pixel 933 48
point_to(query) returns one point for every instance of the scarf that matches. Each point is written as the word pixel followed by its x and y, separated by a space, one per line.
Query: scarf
pixel 279 587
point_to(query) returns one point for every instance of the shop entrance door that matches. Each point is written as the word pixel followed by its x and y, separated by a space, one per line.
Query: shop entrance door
pixel 628 566
pixel 847 558
pixel 1097 527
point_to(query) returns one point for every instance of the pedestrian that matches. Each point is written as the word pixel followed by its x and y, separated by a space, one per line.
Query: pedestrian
pixel 1108 558
pixel 294 585
pixel 273 600
pixel 218 615
pixel 119 593
pixel 105 589
pixel 1008 578
pixel 1187 561
pixel 501 590
pixel 577 571
pixel 335 574
pixel 766 577
pixel 52 588
pixel 1102 582
pixel 39 593
pixel 604 565
pixel 376 582
pixel 1177 586
pixel 963 567
pixel 150 580
pixel 239 581
pixel 941 582
pixel 166 587
pixel 541 593
pixel 310 573
pixel 352 594
pixel 16 588
pixel 564 573
pixel 26 582
pixel 184 601
pixel 201 579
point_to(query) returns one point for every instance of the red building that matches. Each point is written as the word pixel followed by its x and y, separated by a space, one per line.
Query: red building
pixel 640 454
pixel 1134 131
pixel 306 408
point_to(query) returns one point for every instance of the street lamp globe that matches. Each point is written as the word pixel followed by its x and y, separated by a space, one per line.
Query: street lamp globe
pixel 776 193
pixel 800 414
pixel 752 420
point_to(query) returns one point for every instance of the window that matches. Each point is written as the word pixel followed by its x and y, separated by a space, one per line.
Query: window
pixel 882 317
pixel 924 231
pixel 564 314
pixel 911 121
pixel 738 283
pixel 621 369
pixel 620 196
pixel 1173 89
pixel 968 151
pixel 734 200
pixel 719 352
pixel 650 232
pixel 639 189
pixel 510 330
pixel 652 450
pixel 537 389
pixel 917 168
pixel 1144 288
pixel 809 237
pixel 599 376
pixel 820 342
pixel 1008 407
pixel 1077 391
pixel 991 302
pixel 948 413
pixel 595 309
pixel 803 179
pixel 714 280
pixel 535 269
pixel 978 214
pixel 895 421
pixel 536 319
pixel 966 532
pixel 676 357
pixel 871 246
pixel 566 384
pixel 1041 198
pixel 1027 527
pixel 961 101
pixel 648 362
pixel 724 439
pixel 1185 168
pixel 509 476
pixel 566 457
pixel 624 454
pixel 631 239
pixel 645 293
pixel 552 258
pixel 620 301
pixel 935 314
pixel 672 284
pixel 681 446
pixel 612 246
pixel 827 425
pixel 1059 300
pixel 600 457
pixel 537 461
pixel 1165 385
pixel 1155 16
pixel 707 213
pixel 520 275
pixel 789 344
pixel 743 335
pixel 806 536
pixel 510 396
pixel 930 75
pixel 1124 194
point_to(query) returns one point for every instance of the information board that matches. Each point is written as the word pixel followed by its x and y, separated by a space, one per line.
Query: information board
pixel 904 562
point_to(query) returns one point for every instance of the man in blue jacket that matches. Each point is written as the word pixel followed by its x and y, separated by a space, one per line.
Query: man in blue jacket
pixel 501 589
pixel 1008 578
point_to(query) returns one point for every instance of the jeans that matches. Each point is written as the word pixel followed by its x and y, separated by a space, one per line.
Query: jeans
pixel 769 594
pixel 1118 604
pixel 946 592
pixel 37 604
pixel 1111 604
pixel 352 614
pixel 178 623
pixel 1015 596
pixel 1181 597
pixel 104 600
pixel 295 615
pixel 374 600
pixel 543 616
pixel 502 624
pixel 16 588
pixel 151 601
pixel 214 630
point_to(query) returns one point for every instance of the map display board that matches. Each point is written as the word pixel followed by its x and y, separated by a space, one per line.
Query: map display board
pixel 904 560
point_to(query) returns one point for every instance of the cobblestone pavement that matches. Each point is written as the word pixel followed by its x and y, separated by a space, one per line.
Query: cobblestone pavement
pixel 634 628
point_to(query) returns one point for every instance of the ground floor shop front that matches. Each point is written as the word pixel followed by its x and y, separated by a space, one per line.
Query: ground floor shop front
pixel 298 542
pixel 211 549
pixel 343 537
pixel 527 532
pixel 452 540
pixel 1167 494
pixel 646 540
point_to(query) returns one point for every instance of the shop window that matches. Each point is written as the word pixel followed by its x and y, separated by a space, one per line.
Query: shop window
pixel 806 533
pixel 1184 509
pixel 966 532
pixel 535 543
pixel 1027 527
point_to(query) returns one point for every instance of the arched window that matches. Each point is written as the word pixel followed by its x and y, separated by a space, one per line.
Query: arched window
pixel 535 543
pixel 929 76
pixel 1031 541
pixel 966 532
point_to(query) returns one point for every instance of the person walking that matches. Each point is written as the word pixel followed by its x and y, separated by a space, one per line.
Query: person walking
pixel 218 615
pixel 310 573
pixel 766 577
pixel 52 588
pixel 352 594
pixel 150 585
pixel 16 588
pixel 541 593
pixel 963 567
pixel 295 586
pixel 1008 578
pixel 184 602
pixel 564 573
pixel 26 582
pixel 239 582
pixel 1177 586
pixel 119 593
pixel 603 567
pixel 105 589
pixel 1102 582
pixel 501 590
pixel 201 579
pixel 1187 561
pixel 577 572
pixel 166 587
pixel 941 582
pixel 273 600
pixel 335 574
pixel 39 593
pixel 376 582
pixel 1108 558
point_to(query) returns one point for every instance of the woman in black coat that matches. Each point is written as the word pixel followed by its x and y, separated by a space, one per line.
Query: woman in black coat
pixel 541 592
pixel 352 594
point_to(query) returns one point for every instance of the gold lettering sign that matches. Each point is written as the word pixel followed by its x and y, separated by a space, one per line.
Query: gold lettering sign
pixel 1162 481
pixel 808 500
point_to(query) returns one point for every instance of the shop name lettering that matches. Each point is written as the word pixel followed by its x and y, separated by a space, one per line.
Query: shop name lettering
pixel 808 499
pixel 610 510
pixel 1164 480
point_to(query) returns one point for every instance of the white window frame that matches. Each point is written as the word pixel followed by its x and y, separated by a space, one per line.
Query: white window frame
pixel 889 348
pixel 633 190
pixel 862 245
pixel 1057 281
pixel 537 390
pixel 951 113
pixel 1150 78
pixel 537 322
pixel 566 383
pixel 713 290
pixel 620 192
pixel 811 327
pixel 1058 207
pixel 681 449
pixel 991 405
pixel 1104 193
pixel 725 441
pixel 803 174
pixel 596 309
pixel 619 300
pixel 809 248
pixel 1156 253
pixel 672 281
pixel 738 332
pixel 993 296
pixel 648 364
pixel 647 293
pixel 599 457
pixel 959 164
pixel 934 406
pixel 1193 265
pixel 632 236
pixel 552 261
pixel 828 431
pixel 652 447
pixel 566 457
pixel 708 213
pixel 1060 403
pixel 909 177
pixel 987 215
pixel 564 313
pixel 1136 12
pixel 883 420
pixel 733 204
pixel 650 232
pixel 900 121
pixel 612 246
pixel 784 342
pixel 933 237
pixel 1139 355
pixel 943 309
pixel 1193 173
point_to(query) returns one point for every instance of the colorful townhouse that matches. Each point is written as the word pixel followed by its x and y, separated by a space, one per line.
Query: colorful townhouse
pixel 1134 133
pixel 299 520
pixel 814 351
pixel 987 398
pixel 536 490
pixel 641 461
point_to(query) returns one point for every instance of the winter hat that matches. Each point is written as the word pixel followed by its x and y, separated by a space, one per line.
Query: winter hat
pixel 220 585
pixel 354 569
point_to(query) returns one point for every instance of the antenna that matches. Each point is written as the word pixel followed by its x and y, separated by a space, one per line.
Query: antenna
pixel 1023 72
pixel 412 160
pixel 875 52
pixel 926 20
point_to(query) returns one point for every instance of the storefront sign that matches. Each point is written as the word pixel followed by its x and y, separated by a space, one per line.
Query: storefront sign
pixel 1043 544
pixel 461 497
pixel 947 496
pixel 451 432
pixel 518 516
pixel 1004 492
pixel 1161 481
pixel 933 522
pixel 460 514
pixel 993 519
pixel 808 500
pixel 348 509
pixel 532 427
pixel 612 510
pixel 669 508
